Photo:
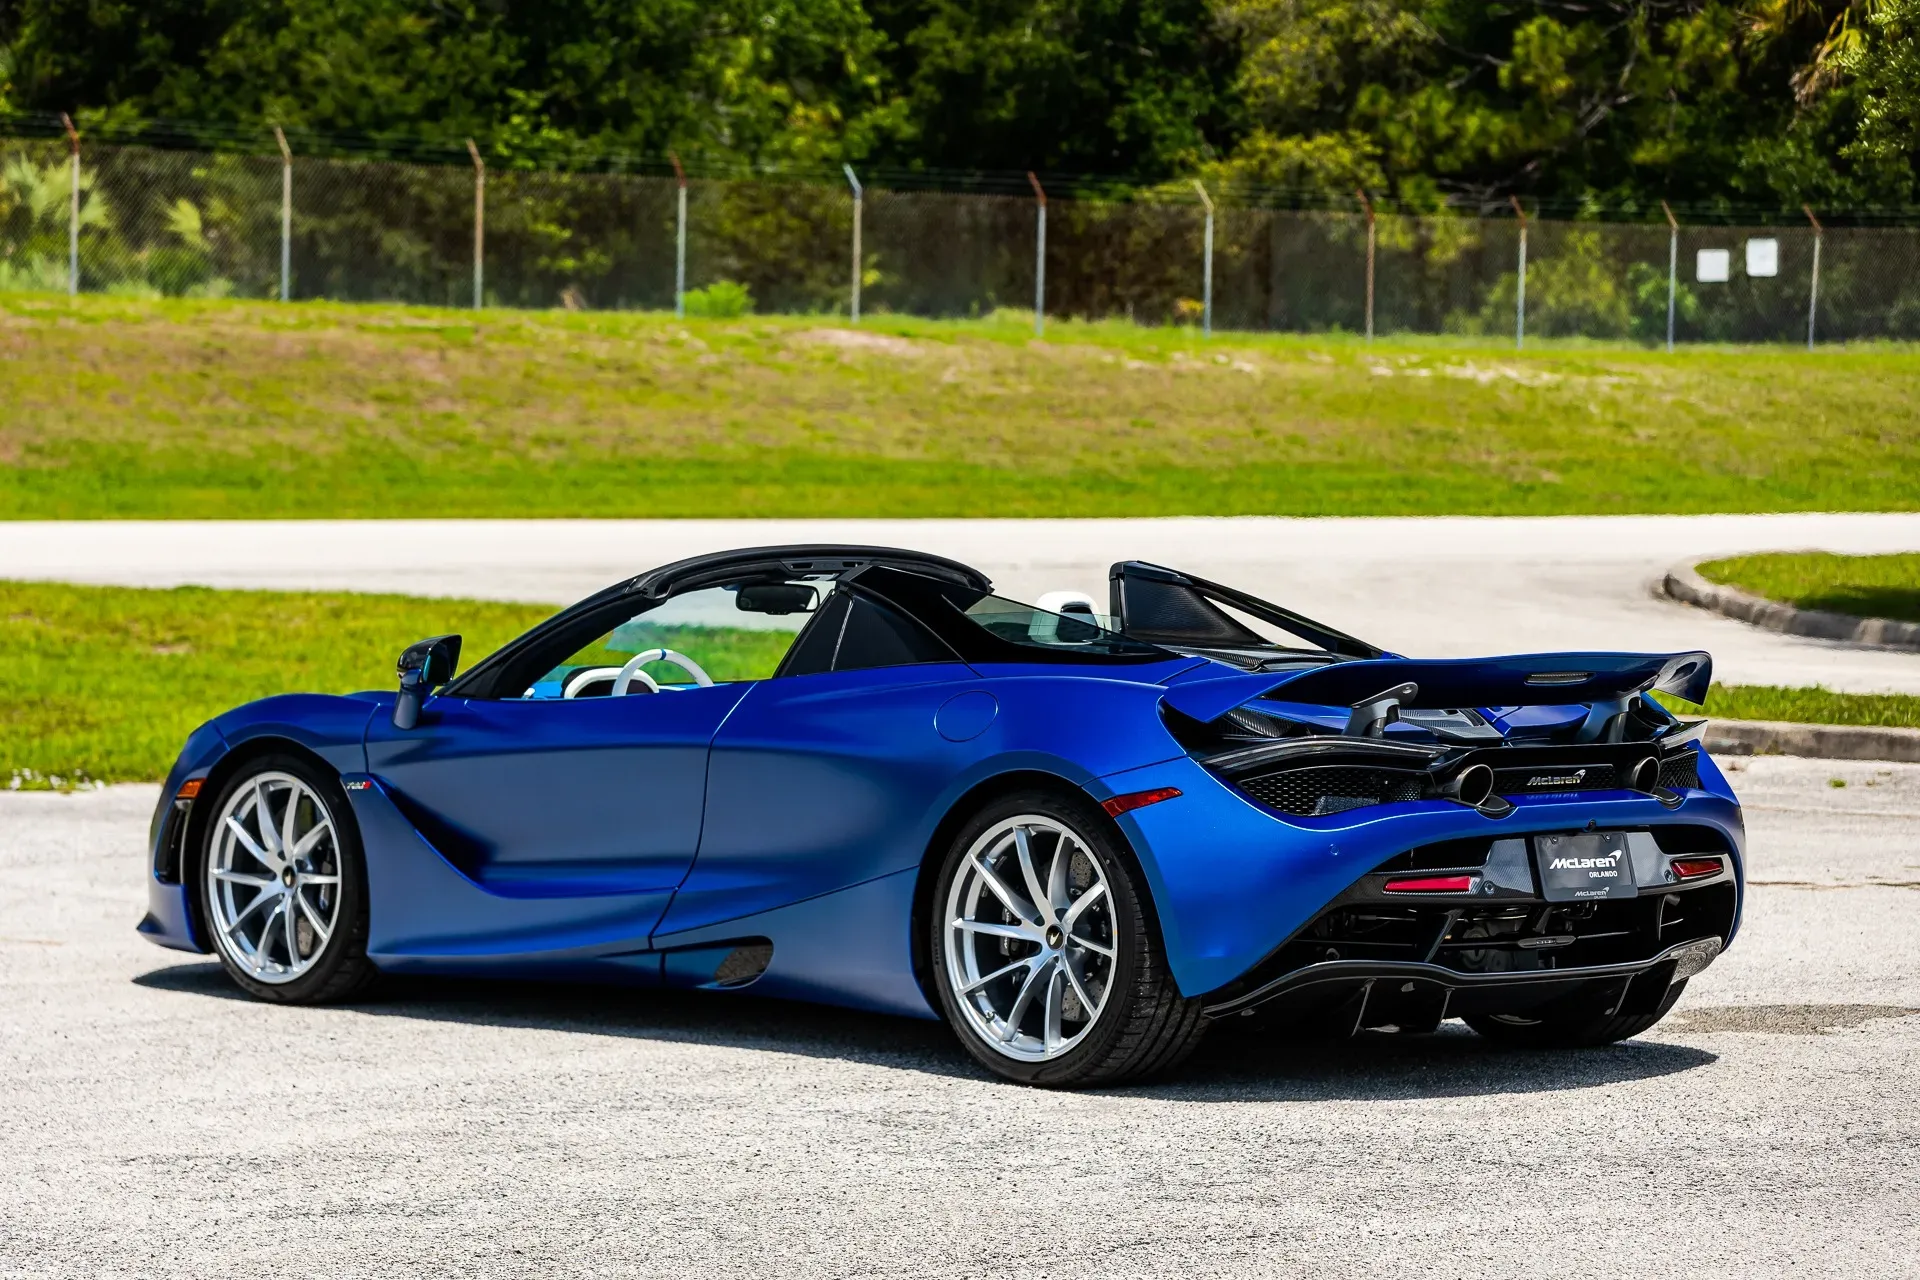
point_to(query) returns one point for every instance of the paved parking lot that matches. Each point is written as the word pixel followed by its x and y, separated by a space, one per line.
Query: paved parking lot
pixel 153 1122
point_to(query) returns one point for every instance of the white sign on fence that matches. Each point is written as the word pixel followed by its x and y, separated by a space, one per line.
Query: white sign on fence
pixel 1712 266
pixel 1763 257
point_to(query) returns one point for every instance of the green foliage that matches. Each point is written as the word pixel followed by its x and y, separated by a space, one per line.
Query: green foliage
pixel 1886 586
pixel 722 300
pixel 1625 101
pixel 1885 61
pixel 1803 706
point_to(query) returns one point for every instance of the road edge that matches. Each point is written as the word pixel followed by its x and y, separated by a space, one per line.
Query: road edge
pixel 1684 584
pixel 1820 741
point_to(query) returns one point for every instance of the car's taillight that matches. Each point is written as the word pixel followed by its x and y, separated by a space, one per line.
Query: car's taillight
pixel 1431 884
pixel 1138 800
pixel 1695 868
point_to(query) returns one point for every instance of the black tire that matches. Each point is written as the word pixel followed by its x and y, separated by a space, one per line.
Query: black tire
pixel 1143 1027
pixel 1573 1028
pixel 338 967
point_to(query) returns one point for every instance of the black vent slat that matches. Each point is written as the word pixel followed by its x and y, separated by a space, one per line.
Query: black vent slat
pixel 1325 789
pixel 1318 790
pixel 1681 771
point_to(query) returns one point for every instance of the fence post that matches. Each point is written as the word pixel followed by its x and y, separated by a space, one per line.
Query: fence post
pixel 1368 206
pixel 1520 291
pixel 859 194
pixel 1673 268
pixel 479 222
pixel 73 208
pixel 1813 292
pixel 1206 288
pixel 680 242
pixel 286 214
pixel 1039 256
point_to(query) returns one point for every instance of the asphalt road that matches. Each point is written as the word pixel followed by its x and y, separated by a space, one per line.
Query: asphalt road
pixel 154 1122
pixel 1441 587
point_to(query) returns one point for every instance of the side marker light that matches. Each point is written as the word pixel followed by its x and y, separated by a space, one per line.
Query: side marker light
pixel 189 789
pixel 1137 800
pixel 1694 868
pixel 1431 884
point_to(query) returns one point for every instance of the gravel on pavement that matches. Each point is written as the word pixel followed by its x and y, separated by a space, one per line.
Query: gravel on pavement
pixel 155 1122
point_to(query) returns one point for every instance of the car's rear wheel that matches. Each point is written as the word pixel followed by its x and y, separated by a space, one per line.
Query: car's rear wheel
pixel 1578 1027
pixel 1046 963
pixel 283 884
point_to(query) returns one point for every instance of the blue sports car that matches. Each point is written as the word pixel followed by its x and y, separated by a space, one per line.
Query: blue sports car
pixel 857 775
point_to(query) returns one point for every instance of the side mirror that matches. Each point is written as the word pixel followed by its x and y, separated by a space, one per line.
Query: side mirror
pixel 424 667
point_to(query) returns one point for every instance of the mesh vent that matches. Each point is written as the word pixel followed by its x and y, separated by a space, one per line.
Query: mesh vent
pixel 1680 772
pixel 1315 792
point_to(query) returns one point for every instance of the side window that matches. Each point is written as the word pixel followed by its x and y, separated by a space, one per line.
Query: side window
pixel 853 633
pixel 726 633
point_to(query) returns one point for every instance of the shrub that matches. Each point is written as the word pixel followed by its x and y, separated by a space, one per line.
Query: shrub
pixel 721 300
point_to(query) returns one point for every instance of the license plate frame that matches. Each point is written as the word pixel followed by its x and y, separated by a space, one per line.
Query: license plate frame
pixel 1584 866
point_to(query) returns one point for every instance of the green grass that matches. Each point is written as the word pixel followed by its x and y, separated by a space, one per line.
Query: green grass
pixel 1803 706
pixel 104 683
pixel 724 653
pixel 1864 586
pixel 130 408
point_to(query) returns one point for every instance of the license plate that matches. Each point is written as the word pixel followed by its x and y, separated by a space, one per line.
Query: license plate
pixel 1584 866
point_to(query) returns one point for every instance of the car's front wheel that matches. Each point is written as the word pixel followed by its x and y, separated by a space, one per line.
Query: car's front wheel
pixel 283 884
pixel 1047 966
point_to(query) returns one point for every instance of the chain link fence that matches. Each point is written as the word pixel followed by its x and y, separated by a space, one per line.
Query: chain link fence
pixel 137 221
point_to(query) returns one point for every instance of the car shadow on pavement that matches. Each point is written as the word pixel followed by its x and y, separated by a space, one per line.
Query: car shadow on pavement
pixel 730 1019
pixel 1230 1066
pixel 1383 1066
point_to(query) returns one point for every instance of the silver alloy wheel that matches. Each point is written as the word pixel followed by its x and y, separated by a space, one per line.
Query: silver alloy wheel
pixel 273 878
pixel 1030 938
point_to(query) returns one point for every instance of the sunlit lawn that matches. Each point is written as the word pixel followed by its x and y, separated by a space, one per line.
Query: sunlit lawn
pixel 123 407
pixel 1885 586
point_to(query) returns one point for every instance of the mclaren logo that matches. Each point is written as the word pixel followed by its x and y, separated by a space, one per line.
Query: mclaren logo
pixel 1573 779
pixel 1608 865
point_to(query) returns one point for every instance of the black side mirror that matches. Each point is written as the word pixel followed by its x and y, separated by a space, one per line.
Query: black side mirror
pixel 424 667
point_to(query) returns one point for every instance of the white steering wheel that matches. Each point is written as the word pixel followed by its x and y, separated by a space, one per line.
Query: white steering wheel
pixel 593 675
pixel 632 670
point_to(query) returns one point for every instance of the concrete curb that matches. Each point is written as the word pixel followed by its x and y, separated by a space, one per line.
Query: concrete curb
pixel 1821 741
pixel 1684 583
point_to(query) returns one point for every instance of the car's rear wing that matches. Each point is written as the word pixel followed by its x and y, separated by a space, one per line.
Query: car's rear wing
pixel 1534 679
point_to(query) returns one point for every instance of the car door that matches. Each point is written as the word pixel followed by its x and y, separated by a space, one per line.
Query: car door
pixel 553 798
pixel 823 776
pixel 573 788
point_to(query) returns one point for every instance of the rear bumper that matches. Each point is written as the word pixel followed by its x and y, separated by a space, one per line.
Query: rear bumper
pixel 1233 882
pixel 1417 996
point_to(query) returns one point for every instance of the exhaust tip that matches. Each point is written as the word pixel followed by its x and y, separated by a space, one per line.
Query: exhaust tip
pixel 1473 784
pixel 1644 775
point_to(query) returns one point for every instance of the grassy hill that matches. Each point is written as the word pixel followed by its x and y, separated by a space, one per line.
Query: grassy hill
pixel 128 408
